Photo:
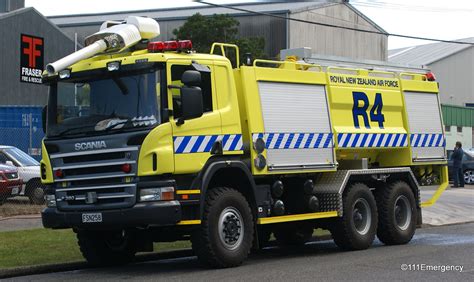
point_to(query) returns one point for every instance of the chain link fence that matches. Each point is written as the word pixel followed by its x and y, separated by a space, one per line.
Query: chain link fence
pixel 21 191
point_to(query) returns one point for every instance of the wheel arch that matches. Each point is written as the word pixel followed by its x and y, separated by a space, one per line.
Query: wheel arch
pixel 227 173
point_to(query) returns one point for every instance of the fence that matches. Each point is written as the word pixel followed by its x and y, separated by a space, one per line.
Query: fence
pixel 20 186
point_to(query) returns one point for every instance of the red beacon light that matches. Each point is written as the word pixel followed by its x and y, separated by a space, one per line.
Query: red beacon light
pixel 156 47
pixel 185 45
pixel 430 76
pixel 159 46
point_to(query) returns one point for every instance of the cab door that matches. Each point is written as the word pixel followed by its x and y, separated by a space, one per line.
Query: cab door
pixel 193 139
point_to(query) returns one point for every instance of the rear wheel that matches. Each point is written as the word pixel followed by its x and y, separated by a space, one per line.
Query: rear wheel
pixel 226 233
pixel 356 229
pixel 397 213
pixel 101 248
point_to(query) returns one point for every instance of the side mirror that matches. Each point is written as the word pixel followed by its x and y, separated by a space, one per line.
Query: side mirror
pixel 191 78
pixel 191 103
pixel 43 118
pixel 10 163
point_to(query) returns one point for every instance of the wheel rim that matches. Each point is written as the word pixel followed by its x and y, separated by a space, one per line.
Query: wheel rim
pixel 468 177
pixel 402 212
pixel 362 216
pixel 231 228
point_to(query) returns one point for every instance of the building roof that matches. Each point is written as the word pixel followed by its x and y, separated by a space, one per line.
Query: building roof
pixel 428 53
pixel 8 15
pixel 185 12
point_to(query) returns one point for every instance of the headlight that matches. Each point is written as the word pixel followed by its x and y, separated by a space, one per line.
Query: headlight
pixel 157 194
pixel 50 200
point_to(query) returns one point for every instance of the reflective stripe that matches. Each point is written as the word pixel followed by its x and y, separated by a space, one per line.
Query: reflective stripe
pixel 370 140
pixel 204 143
pixel 427 140
pixel 295 140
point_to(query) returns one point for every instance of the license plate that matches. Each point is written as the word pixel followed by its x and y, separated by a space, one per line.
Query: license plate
pixel 15 191
pixel 91 217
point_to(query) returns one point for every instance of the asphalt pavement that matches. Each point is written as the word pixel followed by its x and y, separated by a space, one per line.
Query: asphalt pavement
pixel 444 253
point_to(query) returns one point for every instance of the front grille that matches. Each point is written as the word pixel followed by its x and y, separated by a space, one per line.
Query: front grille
pixel 11 175
pixel 94 180
pixel 94 157
pixel 92 170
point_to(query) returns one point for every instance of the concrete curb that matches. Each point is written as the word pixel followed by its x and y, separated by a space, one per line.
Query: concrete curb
pixel 60 267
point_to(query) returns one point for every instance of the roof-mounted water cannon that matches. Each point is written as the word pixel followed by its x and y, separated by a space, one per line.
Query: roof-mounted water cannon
pixel 113 37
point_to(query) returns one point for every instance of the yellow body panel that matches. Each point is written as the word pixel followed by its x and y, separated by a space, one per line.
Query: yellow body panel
pixel 45 161
pixel 159 142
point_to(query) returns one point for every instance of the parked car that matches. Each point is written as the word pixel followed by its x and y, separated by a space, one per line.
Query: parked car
pixel 467 166
pixel 29 171
pixel 10 182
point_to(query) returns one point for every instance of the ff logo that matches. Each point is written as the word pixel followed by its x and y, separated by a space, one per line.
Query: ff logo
pixel 32 58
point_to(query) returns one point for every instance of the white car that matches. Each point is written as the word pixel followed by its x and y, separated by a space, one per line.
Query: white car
pixel 28 170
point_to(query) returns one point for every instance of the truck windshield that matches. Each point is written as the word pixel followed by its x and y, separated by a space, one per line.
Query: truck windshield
pixel 114 103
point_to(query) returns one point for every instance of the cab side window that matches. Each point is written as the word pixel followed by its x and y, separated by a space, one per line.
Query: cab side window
pixel 176 73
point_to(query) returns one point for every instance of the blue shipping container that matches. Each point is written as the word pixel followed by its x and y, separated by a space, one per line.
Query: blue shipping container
pixel 21 126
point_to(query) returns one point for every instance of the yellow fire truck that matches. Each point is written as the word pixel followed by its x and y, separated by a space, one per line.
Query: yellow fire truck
pixel 150 141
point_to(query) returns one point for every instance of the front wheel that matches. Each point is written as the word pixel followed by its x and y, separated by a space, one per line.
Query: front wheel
pixel 225 236
pixel 356 229
pixel 101 248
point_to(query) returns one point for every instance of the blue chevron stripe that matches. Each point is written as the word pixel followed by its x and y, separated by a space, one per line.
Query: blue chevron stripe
pixel 204 143
pixel 370 140
pixel 296 140
pixel 427 140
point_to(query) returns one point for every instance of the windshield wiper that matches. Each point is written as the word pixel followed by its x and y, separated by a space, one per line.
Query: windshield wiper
pixel 62 133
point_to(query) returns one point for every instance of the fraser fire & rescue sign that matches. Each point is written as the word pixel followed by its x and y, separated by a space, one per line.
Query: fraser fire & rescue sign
pixel 32 58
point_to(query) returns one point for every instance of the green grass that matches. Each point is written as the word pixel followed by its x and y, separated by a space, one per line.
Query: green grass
pixel 38 246
pixel 46 246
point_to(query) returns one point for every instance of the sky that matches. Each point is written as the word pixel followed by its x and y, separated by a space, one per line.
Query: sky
pixel 440 19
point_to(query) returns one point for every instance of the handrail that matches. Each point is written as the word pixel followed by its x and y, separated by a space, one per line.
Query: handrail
pixel 222 45
pixel 442 186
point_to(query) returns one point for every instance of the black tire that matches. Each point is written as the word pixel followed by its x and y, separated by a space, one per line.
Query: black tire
pixel 107 248
pixel 356 229
pixel 397 213
pixel 35 191
pixel 217 245
pixel 293 237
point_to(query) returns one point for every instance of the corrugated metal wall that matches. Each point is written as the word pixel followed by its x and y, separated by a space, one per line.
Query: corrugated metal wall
pixel 334 41
pixel 457 116
pixel 57 45
pixel 455 77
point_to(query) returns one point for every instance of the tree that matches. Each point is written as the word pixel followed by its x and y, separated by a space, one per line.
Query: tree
pixel 203 31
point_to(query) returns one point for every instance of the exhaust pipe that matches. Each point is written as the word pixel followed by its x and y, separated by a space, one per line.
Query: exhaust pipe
pixel 84 53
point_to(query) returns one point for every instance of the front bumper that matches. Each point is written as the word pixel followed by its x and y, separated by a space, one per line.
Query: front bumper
pixel 140 215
